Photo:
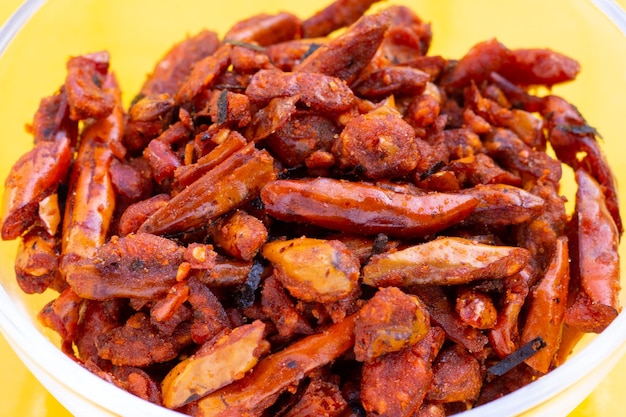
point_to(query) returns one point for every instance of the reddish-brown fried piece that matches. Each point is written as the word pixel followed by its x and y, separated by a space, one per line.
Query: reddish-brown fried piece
pixel 62 315
pixel 546 309
pixel 162 160
pixel 136 214
pixel 525 125
pixel 444 261
pixel 481 169
pixel 277 372
pixel 272 117
pixel 320 398
pixel 228 109
pixel 345 56
pixel 441 309
pixel 137 382
pixel 390 321
pixel 236 180
pixel 281 309
pixel 397 80
pixel 597 302
pixel 478 63
pixel 35 176
pixel 176 64
pixel 37 261
pixel 539 236
pixel 265 29
pixel 570 136
pixel 318 92
pixel 220 361
pixel 147 118
pixel 539 67
pixel 286 55
pixel 138 343
pixel 506 148
pixel 225 144
pixel 500 204
pixel 241 235
pixel 300 137
pixel 456 377
pixel 301 263
pixel 336 15
pixel 363 208
pixel 98 317
pixel 84 85
pixel 476 308
pixel 91 201
pixel 504 337
pixel 203 74
pixel 132 181
pixel 52 120
pixel 226 273
pixel 380 143
pixel 395 384
pixel 210 318
pixel 137 265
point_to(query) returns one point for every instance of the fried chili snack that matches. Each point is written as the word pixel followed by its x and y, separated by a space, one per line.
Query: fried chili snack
pixel 289 221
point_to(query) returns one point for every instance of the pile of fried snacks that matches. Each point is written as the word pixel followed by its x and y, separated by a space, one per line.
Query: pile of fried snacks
pixel 314 216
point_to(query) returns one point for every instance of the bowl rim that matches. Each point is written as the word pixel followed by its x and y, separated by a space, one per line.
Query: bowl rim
pixel 25 339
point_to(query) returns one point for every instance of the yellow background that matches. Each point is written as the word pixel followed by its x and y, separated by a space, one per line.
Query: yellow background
pixel 22 395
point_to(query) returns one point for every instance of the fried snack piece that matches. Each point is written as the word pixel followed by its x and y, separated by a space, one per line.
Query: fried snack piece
pixel 380 143
pixel 276 372
pixel 546 309
pixel 597 303
pixel 265 29
pixel 176 64
pixel 37 261
pixel 35 176
pixel 83 83
pixel 319 92
pixel 444 261
pixel 233 182
pixel 395 384
pixel 241 235
pixel 347 55
pixel 139 343
pixel 476 309
pixel 219 361
pixel 388 322
pixel 314 269
pixel 363 208
pixel 456 377
pixel 334 16
pixel 138 265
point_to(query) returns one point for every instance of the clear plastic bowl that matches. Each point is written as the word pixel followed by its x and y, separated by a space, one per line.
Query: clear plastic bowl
pixel 36 42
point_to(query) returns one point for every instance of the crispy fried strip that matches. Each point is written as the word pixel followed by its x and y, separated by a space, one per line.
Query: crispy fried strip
pixel 546 309
pixel 275 373
pixel 233 182
pixel 444 261
pixel 363 208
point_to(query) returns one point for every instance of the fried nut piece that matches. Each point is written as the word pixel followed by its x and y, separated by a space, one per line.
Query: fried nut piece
pixel 395 384
pixel 276 372
pixel 314 269
pixel 388 322
pixel 220 361
pixel 444 261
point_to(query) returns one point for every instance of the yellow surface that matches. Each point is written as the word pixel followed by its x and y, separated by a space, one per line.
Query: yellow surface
pixel 22 395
